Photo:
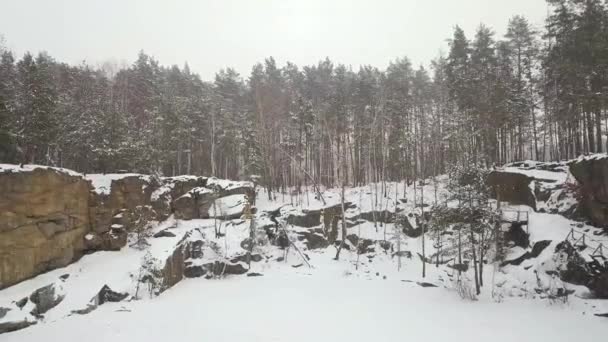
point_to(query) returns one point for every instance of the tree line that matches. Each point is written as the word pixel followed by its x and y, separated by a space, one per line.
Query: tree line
pixel 530 94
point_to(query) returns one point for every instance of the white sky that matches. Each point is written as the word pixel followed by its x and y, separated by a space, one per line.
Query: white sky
pixel 210 34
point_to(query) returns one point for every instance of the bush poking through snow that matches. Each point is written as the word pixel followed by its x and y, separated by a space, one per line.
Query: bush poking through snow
pixel 465 288
pixel 150 277
pixel 142 222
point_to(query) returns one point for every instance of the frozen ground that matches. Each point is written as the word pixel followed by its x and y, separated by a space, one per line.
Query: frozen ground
pixel 326 307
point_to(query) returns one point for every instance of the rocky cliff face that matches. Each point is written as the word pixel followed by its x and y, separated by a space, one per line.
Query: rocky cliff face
pixel 44 216
pixel 512 187
pixel 592 176
pixel 50 217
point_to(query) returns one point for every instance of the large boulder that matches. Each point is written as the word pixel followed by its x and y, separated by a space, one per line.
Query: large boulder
pixel 517 235
pixel 592 176
pixel 305 219
pixel 171 189
pixel 599 285
pixel 44 217
pixel 193 204
pixel 225 187
pixel 313 240
pixel 228 207
pixel 512 187
pixel 46 298
pixel 571 266
pixel 382 216
pixel 15 325
pixel 106 294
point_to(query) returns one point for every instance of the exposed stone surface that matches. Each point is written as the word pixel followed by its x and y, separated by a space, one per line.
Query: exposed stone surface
pixel 224 268
pixel 571 265
pixel 44 216
pixel 164 233
pixel 538 248
pixel 14 326
pixel 512 187
pixel 107 295
pixel 172 188
pixel 194 204
pixel 363 245
pixel 592 177
pixel 45 298
pixel 308 219
pixel 3 311
pixel 173 271
pixel 226 188
pixel 517 235
pixel 313 240
pixel 383 216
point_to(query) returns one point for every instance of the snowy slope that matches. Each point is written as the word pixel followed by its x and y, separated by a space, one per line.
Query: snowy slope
pixel 321 307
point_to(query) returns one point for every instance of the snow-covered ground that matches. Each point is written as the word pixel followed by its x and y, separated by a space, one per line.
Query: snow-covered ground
pixel 296 306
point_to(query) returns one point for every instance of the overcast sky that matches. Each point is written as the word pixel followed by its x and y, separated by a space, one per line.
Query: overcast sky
pixel 210 34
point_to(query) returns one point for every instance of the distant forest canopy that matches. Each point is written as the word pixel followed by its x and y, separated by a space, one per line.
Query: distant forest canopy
pixel 527 95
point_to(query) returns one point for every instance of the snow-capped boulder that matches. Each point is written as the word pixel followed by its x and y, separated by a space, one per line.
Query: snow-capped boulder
pixel 220 268
pixel 572 267
pixel 224 187
pixel 228 208
pixel 46 298
pixel 172 188
pixel 193 204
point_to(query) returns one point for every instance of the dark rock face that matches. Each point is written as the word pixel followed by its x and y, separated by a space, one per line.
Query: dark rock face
pixel 574 269
pixel 107 295
pixel 3 311
pixel 194 204
pixel 460 267
pixel 219 268
pixel 592 176
pixel 308 219
pixel 383 216
pixel 518 235
pixel 538 248
pixel 45 298
pixel 577 271
pixel 181 185
pixel 599 285
pixel 14 326
pixel 313 240
pixel 243 258
pixel 425 284
pixel 115 239
pixel 363 245
pixel 164 233
pixel 21 303
pixel 406 226
pixel 511 187
pixel 194 271
pixel 174 269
